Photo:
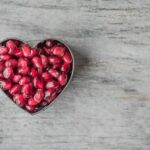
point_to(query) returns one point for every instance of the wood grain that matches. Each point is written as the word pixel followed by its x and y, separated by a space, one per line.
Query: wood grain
pixel 107 105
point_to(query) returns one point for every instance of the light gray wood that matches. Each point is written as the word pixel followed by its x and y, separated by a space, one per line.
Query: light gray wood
pixel 107 105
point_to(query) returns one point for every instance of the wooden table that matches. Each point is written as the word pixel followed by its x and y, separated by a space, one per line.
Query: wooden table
pixel 107 105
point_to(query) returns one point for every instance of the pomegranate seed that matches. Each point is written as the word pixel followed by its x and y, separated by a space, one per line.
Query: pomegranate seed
pixel 49 43
pixel 30 108
pixel 8 72
pixel 52 85
pixel 37 62
pixel 33 72
pixel 59 51
pixel 67 58
pixel 23 62
pixel 15 89
pixel 26 50
pixel 27 90
pixel 46 76
pixel 48 51
pixel 38 95
pixel 44 60
pixel 11 63
pixel 5 57
pixel 55 60
pixel 24 80
pixel 3 50
pixel 19 99
pixel 50 95
pixel 63 79
pixel 18 52
pixel 16 78
pixel 34 52
pixel 65 67
pixel 32 102
pixel 38 82
pixel 10 44
pixel 23 70
pixel 1 75
pixel 7 85
pixel 53 73
pixel 1 66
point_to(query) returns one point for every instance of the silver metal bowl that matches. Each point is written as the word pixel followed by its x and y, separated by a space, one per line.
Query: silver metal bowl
pixel 71 75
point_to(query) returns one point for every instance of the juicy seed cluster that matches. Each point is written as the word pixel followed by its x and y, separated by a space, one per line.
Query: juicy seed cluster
pixel 34 77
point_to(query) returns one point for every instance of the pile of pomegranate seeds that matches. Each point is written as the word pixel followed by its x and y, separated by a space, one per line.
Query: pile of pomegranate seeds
pixel 33 77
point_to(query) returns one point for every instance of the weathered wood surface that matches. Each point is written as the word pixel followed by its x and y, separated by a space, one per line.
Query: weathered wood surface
pixel 107 105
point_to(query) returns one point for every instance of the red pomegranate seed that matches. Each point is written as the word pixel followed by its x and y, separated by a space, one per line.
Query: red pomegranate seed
pixel 1 66
pixel 52 85
pixel 7 85
pixel 37 62
pixel 24 80
pixel 27 90
pixel 63 79
pixel 11 63
pixel 16 78
pixel 8 72
pixel 26 50
pixel 19 99
pixel 23 70
pixel 38 95
pixel 58 51
pixel 46 76
pixel 48 51
pixel 23 62
pixel 34 52
pixel 1 75
pixel 56 66
pixel 32 102
pixel 18 52
pixel 67 58
pixel 33 72
pixel 3 50
pixel 38 82
pixel 5 57
pixel 65 67
pixel 30 108
pixel 50 95
pixel 44 60
pixel 55 60
pixel 53 73
pixel 10 44
pixel 15 89
pixel 49 43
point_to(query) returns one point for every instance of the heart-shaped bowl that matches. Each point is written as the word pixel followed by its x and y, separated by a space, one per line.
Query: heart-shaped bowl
pixel 39 47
